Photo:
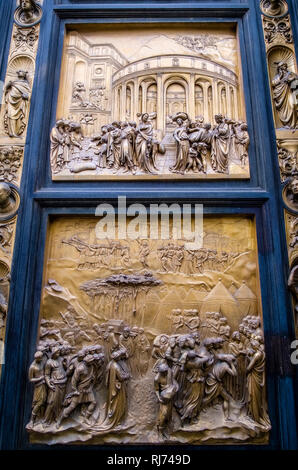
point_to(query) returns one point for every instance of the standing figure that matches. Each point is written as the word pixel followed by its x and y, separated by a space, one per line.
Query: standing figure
pixel 166 388
pixel 214 382
pixel 283 95
pixel 257 408
pixel 82 393
pixel 56 378
pixel 126 150
pixel 144 143
pixel 220 145
pixel 144 252
pixel 116 382
pixel 195 384
pixel 37 377
pixel 241 140
pixel 182 143
pixel 142 352
pixel 115 145
pixel 17 94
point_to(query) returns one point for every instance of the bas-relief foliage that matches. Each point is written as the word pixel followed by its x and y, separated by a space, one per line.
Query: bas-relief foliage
pixel 150 341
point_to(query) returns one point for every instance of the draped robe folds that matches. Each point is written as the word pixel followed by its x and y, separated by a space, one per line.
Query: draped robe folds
pixel 117 375
pixel 192 402
pixel 284 101
pixel 57 149
pixel 16 107
pixel 256 389
pixel 144 146
pixel 126 151
pixel 220 145
pixel 182 143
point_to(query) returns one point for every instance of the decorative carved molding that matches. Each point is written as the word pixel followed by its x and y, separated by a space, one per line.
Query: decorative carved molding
pixel 10 163
pixel 17 96
pixel 274 7
pixel 6 237
pixel 9 201
pixel 276 28
pixel 288 164
pixel 25 38
pixel 290 194
pixel 28 13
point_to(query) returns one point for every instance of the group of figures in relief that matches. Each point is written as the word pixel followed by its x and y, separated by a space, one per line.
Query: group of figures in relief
pixel 172 257
pixel 175 258
pixel 189 372
pixel 67 377
pixel 131 147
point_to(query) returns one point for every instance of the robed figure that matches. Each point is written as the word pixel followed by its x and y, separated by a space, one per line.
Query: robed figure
pixel 220 145
pixel 17 94
pixel 57 138
pixel 116 381
pixel 182 143
pixel 257 408
pixel 283 95
pixel 144 143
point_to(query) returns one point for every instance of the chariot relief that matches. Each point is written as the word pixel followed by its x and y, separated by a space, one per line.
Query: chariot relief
pixel 157 102
pixel 150 341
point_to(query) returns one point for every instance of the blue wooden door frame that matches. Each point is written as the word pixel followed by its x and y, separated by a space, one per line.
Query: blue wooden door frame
pixel 41 198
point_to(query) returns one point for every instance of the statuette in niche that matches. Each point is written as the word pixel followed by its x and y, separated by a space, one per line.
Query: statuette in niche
pixel 283 86
pixel 28 13
pixel 17 95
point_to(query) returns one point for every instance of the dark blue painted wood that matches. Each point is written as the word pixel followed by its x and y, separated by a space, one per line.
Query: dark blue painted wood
pixel 41 199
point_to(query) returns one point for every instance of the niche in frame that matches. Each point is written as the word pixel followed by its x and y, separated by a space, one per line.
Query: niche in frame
pixel 150 101
pixel 149 340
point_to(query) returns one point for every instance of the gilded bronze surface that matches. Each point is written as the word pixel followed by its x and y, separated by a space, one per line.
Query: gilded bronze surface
pixel 150 341
pixel 150 102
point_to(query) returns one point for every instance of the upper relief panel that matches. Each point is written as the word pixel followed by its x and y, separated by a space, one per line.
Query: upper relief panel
pixel 145 101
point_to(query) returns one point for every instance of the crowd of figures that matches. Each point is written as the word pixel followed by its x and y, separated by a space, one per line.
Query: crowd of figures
pixel 132 147
pixel 172 257
pixel 95 256
pixel 227 140
pixel 120 145
pixel 175 258
pixel 190 373
pixel 194 373
pixel 66 379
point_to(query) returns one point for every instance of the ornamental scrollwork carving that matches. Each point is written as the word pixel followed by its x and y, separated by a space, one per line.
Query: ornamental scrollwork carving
pixel 25 38
pixel 28 13
pixel 275 28
pixel 288 164
pixel 10 163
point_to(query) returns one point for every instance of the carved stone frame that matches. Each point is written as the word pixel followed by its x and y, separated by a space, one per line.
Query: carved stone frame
pixel 258 197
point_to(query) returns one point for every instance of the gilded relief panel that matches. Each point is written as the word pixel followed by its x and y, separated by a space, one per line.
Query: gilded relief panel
pixel 150 102
pixel 150 340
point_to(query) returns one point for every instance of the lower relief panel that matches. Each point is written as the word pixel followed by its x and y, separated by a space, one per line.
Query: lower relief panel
pixel 150 341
